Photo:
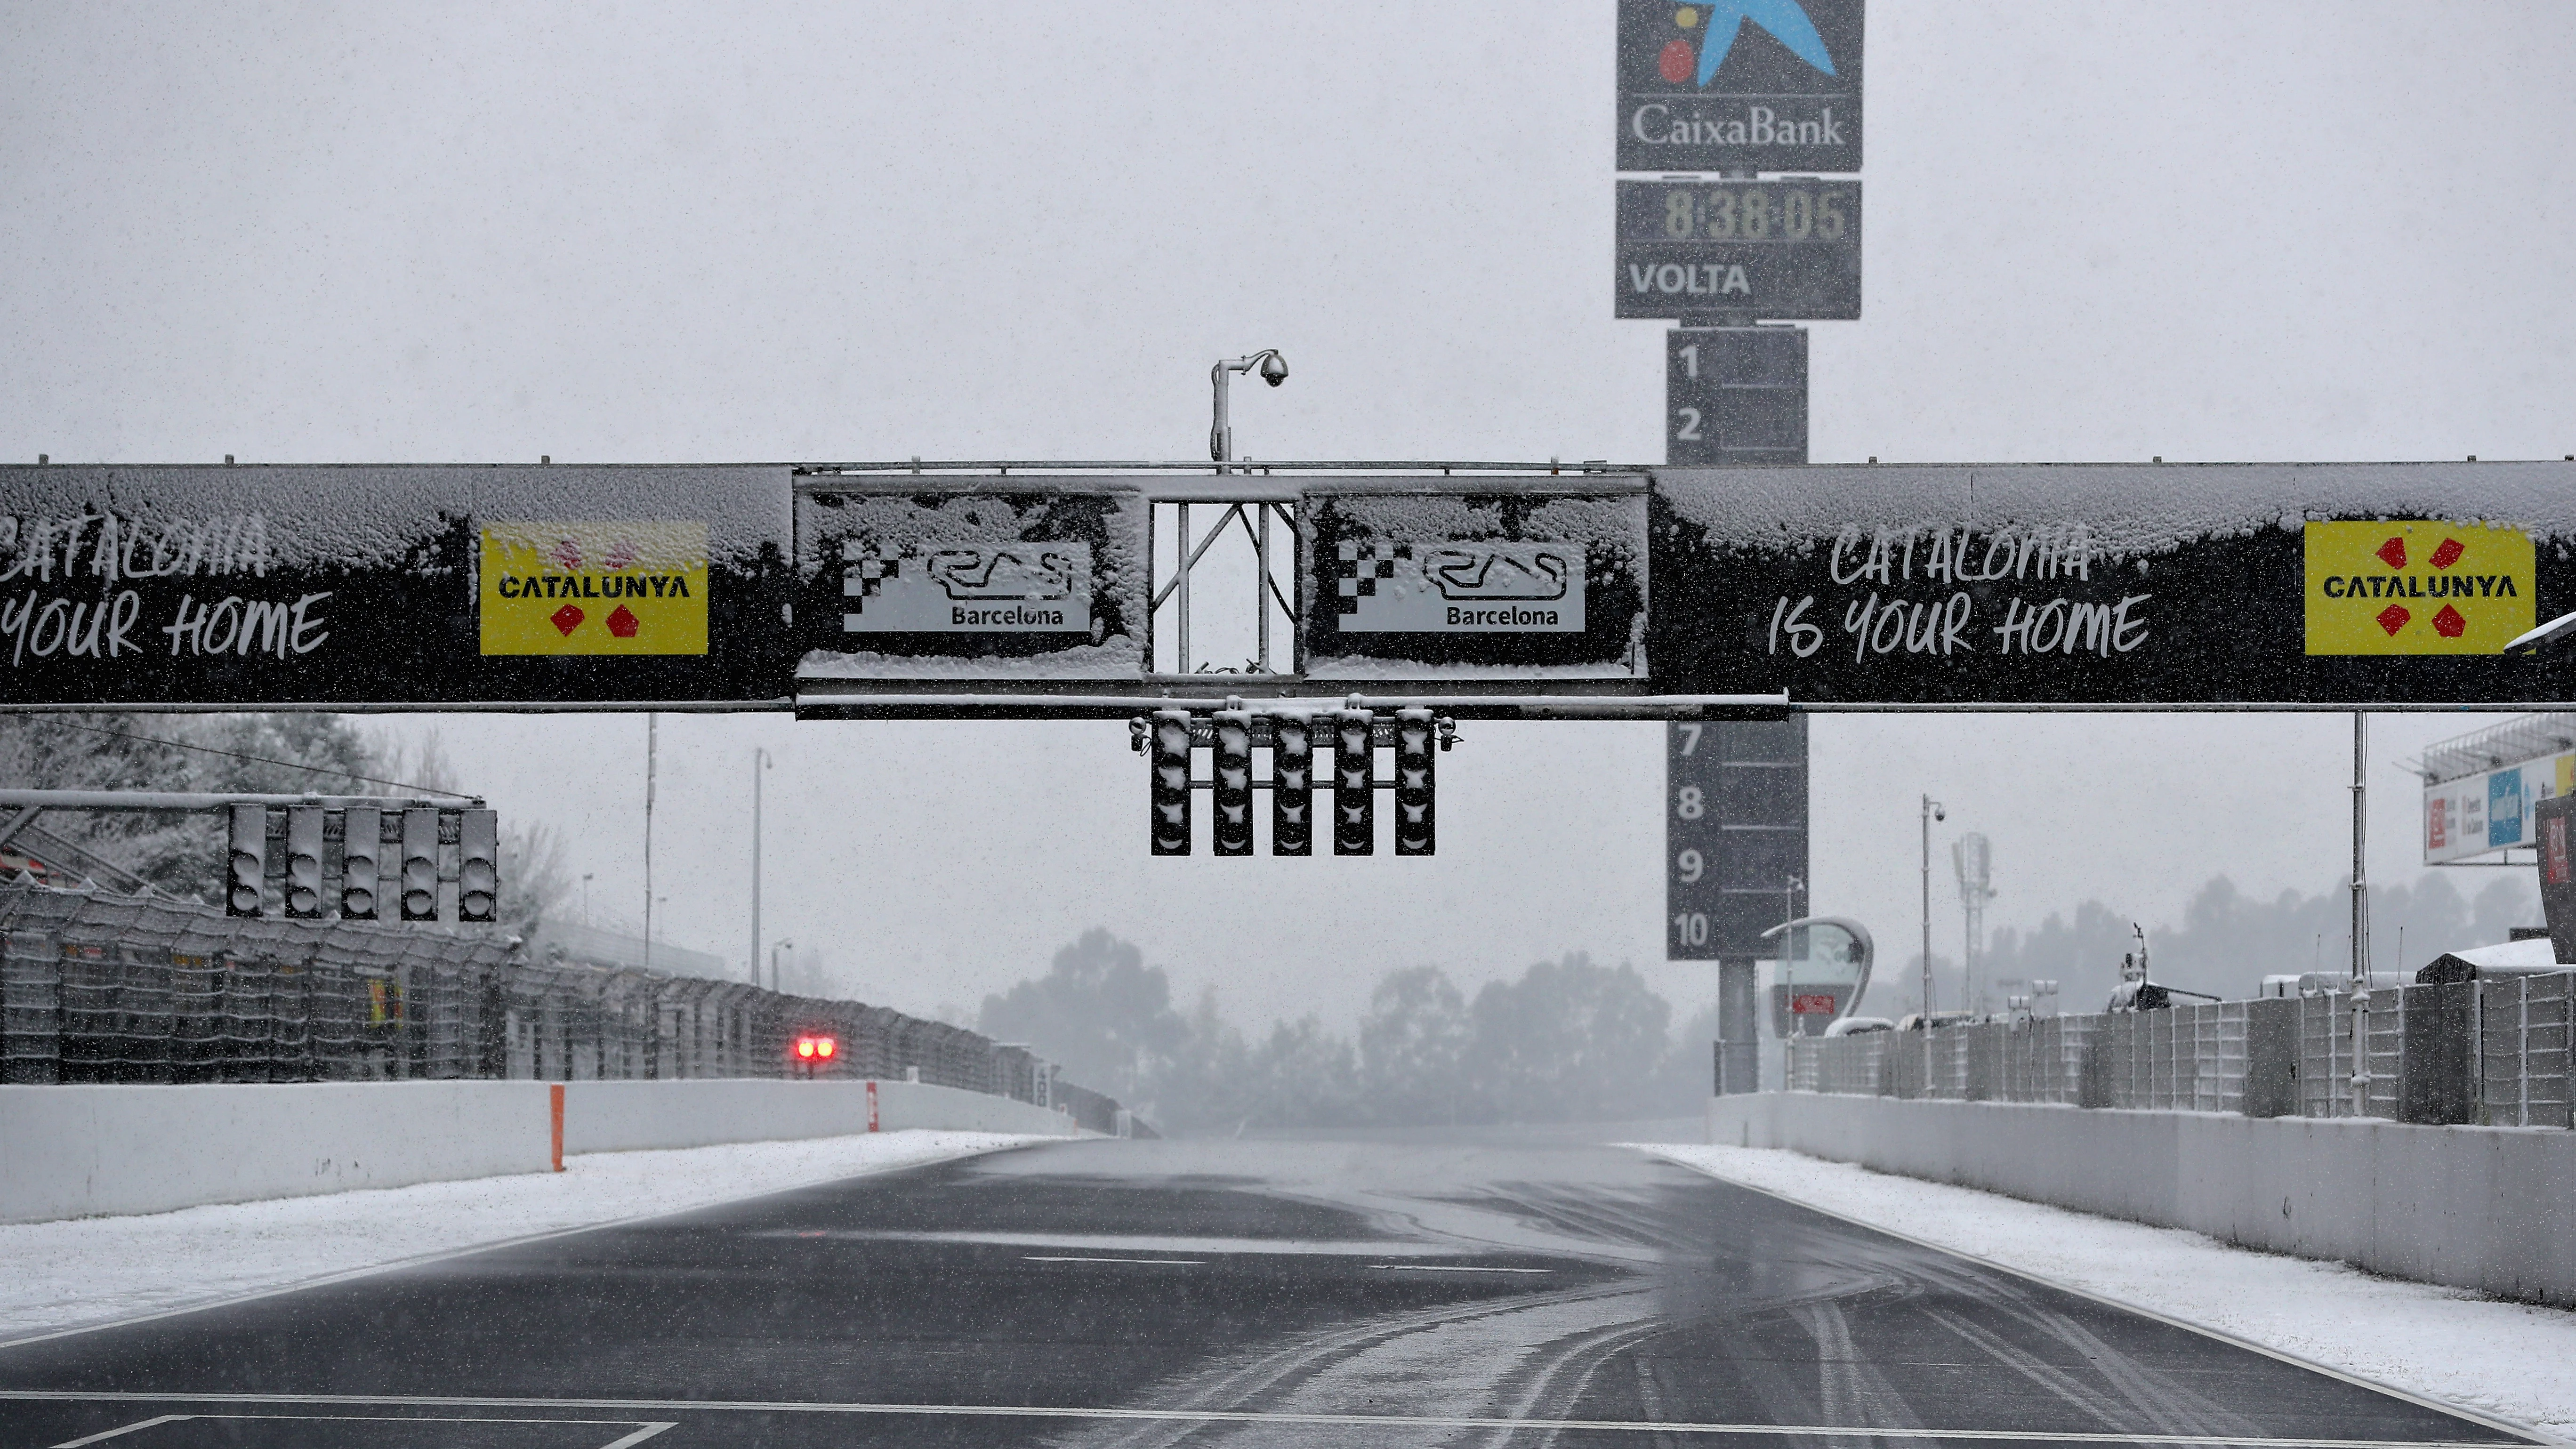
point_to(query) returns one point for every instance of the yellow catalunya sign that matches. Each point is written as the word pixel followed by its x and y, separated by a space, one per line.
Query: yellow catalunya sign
pixel 594 588
pixel 2413 586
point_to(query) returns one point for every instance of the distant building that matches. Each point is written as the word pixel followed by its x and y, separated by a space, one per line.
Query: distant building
pixel 577 942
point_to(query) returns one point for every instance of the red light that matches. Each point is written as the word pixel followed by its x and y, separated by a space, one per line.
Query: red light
pixel 804 1046
pixel 824 1045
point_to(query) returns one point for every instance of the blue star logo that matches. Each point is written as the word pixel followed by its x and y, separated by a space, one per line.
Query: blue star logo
pixel 1785 20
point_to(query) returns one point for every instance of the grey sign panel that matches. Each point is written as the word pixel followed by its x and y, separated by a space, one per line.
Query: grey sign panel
pixel 1010 579
pixel 1735 835
pixel 1773 249
pixel 1029 588
pixel 1438 587
pixel 1735 395
pixel 1434 577
pixel 1740 85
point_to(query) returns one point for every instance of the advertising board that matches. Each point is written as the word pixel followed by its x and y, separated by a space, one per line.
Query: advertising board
pixel 2493 811
pixel 238 587
pixel 2106 584
pixel 1542 579
pixel 1035 578
pixel 1734 86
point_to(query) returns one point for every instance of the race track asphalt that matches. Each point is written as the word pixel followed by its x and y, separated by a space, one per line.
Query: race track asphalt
pixel 1165 1293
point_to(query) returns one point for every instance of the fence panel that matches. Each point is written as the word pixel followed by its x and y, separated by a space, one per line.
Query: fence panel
pixel 2524 1035
pixel 102 988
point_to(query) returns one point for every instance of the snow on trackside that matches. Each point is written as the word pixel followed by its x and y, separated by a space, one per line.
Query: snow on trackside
pixel 2507 1359
pixel 99 1270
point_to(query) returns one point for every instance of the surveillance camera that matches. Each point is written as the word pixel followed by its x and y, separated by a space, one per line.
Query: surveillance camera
pixel 1274 369
pixel 1940 814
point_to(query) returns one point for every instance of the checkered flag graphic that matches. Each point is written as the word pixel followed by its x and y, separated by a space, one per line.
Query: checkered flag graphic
pixel 864 570
pixel 1359 567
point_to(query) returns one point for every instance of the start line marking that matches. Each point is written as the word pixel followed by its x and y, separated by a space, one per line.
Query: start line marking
pixel 1225 1416
pixel 644 1429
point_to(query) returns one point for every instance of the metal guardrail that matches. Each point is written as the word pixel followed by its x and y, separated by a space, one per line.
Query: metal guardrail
pixel 2499 1051
pixel 104 988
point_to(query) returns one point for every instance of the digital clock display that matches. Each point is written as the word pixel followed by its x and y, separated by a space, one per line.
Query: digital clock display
pixel 1780 250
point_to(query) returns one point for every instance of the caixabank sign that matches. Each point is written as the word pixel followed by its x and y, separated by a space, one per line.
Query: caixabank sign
pixel 1740 86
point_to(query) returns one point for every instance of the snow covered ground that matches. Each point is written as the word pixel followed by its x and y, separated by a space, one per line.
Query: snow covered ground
pixel 93 1270
pixel 2506 1359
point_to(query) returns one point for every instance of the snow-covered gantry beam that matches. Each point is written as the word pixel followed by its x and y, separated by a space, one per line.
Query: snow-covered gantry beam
pixel 1036 590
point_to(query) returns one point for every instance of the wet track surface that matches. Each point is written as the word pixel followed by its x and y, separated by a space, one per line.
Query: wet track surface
pixel 1169 1293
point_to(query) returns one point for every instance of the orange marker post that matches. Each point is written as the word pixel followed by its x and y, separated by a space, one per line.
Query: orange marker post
pixel 554 1109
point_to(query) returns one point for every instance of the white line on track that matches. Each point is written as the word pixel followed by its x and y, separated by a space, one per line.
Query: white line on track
pixel 1234 1416
pixel 643 1429
pixel 1453 1268
pixel 1069 1258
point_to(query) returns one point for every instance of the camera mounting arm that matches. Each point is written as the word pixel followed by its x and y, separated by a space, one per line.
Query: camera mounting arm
pixel 1274 371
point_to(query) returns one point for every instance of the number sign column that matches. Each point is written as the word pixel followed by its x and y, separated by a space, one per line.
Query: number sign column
pixel 1735 861
pixel 1735 395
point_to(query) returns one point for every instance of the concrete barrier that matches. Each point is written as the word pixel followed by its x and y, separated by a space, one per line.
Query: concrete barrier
pixel 69 1152
pixel 2486 1208
pixel 626 1116
pixel 89 1151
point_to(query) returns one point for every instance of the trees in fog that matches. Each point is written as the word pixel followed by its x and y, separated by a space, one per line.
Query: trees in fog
pixel 1568 1040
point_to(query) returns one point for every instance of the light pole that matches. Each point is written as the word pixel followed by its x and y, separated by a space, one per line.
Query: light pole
pixel 759 765
pixel 1274 371
pixel 1932 811
pixel 652 763
pixel 585 896
pixel 2360 917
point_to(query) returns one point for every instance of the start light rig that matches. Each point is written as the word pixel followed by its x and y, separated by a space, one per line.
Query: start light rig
pixel 813 1050
pixel 1352 738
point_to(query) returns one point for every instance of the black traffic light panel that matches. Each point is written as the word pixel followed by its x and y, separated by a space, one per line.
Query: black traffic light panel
pixel 478 865
pixel 1354 784
pixel 1292 786
pixel 245 858
pixel 1233 740
pixel 304 862
pixel 362 835
pixel 419 867
pixel 1413 750
pixel 1171 787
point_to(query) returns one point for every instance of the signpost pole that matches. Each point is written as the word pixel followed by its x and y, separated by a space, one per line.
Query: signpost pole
pixel 759 762
pixel 2360 916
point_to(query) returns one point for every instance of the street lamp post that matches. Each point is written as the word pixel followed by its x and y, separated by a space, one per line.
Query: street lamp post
pixel 759 765
pixel 1932 810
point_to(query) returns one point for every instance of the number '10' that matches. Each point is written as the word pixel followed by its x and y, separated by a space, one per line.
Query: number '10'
pixel 1690 929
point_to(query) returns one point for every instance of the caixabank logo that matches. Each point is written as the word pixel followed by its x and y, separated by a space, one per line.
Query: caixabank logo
pixel 2415 586
pixel 1740 85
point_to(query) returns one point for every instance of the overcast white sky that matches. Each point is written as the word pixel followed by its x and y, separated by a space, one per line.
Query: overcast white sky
pixel 312 232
